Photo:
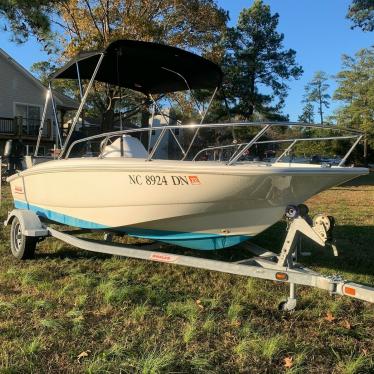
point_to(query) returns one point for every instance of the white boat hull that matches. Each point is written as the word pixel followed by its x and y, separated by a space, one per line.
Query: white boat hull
pixel 198 205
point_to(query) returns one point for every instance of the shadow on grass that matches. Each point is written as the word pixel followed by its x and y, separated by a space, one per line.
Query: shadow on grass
pixel 356 251
pixel 365 180
pixel 65 253
pixel 354 243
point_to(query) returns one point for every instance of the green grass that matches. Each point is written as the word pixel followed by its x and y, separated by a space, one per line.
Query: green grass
pixel 132 316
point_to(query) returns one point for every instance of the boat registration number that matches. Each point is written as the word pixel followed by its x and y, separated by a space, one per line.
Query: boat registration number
pixel 164 180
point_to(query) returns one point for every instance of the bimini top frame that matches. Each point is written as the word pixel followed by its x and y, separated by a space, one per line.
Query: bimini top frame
pixel 150 68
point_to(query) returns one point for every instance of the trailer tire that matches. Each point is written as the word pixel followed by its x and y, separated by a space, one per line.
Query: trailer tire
pixel 22 246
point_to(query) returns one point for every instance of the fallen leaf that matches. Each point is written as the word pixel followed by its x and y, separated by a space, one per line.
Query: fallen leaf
pixel 236 323
pixel 288 362
pixel 364 351
pixel 329 317
pixel 346 324
pixel 83 354
pixel 198 303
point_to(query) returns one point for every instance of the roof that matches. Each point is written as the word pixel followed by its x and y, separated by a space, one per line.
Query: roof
pixel 61 99
pixel 145 67
pixel 64 101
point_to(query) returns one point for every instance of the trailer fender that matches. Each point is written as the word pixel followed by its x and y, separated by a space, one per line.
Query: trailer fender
pixel 30 222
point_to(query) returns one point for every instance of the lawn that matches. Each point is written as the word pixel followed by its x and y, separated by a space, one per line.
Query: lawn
pixel 70 311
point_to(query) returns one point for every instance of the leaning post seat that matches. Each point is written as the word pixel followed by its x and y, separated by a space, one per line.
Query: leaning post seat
pixel 132 148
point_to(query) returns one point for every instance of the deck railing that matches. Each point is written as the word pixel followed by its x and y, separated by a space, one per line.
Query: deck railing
pixel 19 126
pixel 6 125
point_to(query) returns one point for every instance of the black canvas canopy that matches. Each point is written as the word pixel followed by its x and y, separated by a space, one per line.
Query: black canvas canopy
pixel 147 67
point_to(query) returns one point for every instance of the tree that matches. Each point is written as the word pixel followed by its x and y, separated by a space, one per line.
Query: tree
pixel 92 24
pixel 361 12
pixel 256 59
pixel 307 115
pixel 356 91
pixel 316 92
pixel 42 70
pixel 28 17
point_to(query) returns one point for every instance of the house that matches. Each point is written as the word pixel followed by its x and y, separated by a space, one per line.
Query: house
pixel 22 99
pixel 168 146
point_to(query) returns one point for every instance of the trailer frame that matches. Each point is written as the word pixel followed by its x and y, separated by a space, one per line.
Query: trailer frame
pixel 265 264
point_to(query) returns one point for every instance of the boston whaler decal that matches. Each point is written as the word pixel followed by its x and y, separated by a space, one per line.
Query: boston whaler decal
pixel 18 190
pixel 162 180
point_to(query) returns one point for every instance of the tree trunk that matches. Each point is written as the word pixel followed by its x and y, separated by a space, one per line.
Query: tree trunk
pixel 365 150
pixel 252 91
pixel 320 104
pixel 107 121
pixel 145 123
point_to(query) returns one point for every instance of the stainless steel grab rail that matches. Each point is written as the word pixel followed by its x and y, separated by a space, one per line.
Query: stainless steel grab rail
pixel 213 148
pixel 266 125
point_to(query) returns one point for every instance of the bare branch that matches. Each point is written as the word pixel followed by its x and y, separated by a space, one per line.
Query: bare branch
pixel 94 20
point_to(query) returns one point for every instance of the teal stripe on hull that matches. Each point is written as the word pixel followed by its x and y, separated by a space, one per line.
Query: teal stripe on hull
pixel 184 239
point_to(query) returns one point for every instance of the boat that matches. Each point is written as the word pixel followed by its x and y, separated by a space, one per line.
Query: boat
pixel 207 204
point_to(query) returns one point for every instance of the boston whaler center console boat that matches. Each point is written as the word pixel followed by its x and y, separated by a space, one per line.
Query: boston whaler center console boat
pixel 206 205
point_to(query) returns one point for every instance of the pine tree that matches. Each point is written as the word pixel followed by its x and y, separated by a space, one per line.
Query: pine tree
pixel 356 91
pixel 316 92
pixel 307 115
pixel 361 12
pixel 255 59
pixel 28 17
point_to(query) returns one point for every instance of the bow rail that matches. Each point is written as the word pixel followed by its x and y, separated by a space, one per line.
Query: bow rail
pixel 240 149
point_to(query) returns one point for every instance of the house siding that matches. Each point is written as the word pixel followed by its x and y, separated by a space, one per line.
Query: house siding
pixel 16 87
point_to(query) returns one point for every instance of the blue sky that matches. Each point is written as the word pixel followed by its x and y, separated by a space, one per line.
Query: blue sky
pixel 316 29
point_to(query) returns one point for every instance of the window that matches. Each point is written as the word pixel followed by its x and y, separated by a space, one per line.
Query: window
pixel 176 132
pixel 30 115
pixel 30 149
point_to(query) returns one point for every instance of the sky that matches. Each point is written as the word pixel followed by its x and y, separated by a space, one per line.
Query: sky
pixel 316 29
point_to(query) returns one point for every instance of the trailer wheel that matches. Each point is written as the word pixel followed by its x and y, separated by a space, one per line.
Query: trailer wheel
pixel 22 246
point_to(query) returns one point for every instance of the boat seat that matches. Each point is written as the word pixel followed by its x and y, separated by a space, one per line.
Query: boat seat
pixel 132 148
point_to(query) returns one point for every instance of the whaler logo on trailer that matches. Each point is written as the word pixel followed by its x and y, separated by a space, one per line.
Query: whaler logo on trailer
pixel 162 257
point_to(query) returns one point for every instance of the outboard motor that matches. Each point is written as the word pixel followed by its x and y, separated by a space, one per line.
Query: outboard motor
pixel 8 148
pixel 13 154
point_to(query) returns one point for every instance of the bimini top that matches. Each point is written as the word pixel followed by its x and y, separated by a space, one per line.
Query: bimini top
pixel 147 67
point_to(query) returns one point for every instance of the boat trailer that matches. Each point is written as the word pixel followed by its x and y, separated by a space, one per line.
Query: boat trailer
pixel 27 230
